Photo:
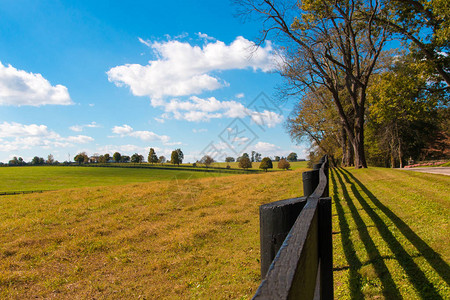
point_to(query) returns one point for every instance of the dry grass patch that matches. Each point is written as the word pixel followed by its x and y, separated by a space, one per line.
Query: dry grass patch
pixel 174 239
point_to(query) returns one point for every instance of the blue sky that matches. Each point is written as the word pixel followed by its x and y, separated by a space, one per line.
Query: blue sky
pixel 106 76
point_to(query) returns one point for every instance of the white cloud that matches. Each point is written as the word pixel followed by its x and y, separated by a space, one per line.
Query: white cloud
pixel 18 87
pixel 126 130
pixel 79 128
pixel 199 130
pixel 265 147
pixel 266 118
pixel 205 36
pixel 79 139
pixel 182 69
pixel 16 136
pixel 196 109
pixel 240 95
pixel 122 130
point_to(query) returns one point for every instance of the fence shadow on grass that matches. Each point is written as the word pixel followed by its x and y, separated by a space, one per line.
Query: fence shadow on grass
pixel 416 276
pixel 432 257
pixel 390 290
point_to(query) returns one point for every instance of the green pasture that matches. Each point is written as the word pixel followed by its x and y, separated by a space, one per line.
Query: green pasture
pixel 14 179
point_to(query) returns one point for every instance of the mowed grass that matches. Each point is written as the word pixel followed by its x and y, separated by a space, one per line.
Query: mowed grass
pixel 199 238
pixel 177 239
pixel 390 234
pixel 14 179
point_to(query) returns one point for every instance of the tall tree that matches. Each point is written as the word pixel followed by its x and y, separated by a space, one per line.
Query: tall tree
pixel 174 158
pixel 162 159
pixel 314 119
pixel 207 160
pixel 180 155
pixel 50 159
pixel 266 163
pixel 81 158
pixel 331 44
pixel 400 102
pixel 117 157
pixel 245 162
pixel 292 156
pixel 425 24
pixel 152 157
pixel 137 158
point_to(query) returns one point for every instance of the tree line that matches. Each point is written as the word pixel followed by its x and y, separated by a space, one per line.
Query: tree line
pixel 359 100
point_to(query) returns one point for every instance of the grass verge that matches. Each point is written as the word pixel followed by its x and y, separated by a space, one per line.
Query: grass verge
pixel 390 234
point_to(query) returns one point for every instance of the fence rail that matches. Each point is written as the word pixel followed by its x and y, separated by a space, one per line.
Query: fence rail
pixel 296 242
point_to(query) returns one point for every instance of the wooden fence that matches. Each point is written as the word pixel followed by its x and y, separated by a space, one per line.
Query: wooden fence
pixel 296 242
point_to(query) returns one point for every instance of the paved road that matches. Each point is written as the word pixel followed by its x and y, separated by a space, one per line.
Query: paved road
pixel 433 170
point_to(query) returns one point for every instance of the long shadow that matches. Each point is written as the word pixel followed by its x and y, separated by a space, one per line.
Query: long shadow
pixel 390 290
pixel 433 258
pixel 349 250
pixel 416 276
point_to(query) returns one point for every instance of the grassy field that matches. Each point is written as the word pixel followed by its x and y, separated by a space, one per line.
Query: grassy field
pixel 195 238
pixel 199 238
pixel 14 179
pixel 390 234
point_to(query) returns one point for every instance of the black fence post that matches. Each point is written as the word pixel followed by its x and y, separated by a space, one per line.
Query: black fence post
pixel 325 249
pixel 310 182
pixel 276 220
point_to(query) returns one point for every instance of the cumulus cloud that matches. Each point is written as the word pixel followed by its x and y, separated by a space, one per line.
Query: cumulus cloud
pixel 127 130
pixel 18 87
pixel 79 128
pixel 182 69
pixel 197 109
pixel 17 136
pixel 265 147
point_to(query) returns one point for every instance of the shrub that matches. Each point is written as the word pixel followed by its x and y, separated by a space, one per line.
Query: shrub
pixel 284 164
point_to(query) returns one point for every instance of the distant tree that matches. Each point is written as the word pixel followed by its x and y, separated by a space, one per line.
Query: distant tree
pixel 125 159
pixel 207 160
pixel 277 158
pixel 174 158
pixel 253 156
pixel 245 155
pixel 102 159
pixel 292 156
pixel 229 159
pixel 180 155
pixel 238 158
pixel 162 159
pixel 266 163
pixel 257 157
pixel 284 164
pixel 245 162
pixel 81 158
pixel 137 158
pixel 35 161
pixel 14 161
pixel 107 157
pixel 152 157
pixel 117 156
pixel 50 160
pixel 21 162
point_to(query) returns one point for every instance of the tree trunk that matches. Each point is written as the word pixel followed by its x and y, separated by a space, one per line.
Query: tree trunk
pixel 345 148
pixel 358 143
